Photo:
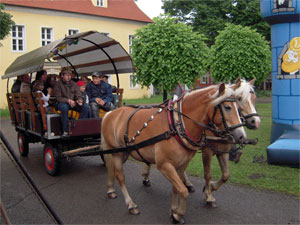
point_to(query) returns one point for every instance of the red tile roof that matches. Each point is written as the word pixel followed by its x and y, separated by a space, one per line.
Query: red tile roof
pixel 121 9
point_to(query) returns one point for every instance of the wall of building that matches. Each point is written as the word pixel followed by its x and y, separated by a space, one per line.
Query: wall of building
pixel 61 22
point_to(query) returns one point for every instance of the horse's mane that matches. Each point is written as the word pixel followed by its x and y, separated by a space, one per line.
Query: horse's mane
pixel 244 90
pixel 228 92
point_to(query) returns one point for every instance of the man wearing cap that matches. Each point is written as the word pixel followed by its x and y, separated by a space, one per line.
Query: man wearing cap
pixel 100 94
pixel 68 95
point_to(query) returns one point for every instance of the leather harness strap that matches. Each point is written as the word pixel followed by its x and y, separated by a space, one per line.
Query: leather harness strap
pixel 176 123
pixel 149 141
pixel 164 136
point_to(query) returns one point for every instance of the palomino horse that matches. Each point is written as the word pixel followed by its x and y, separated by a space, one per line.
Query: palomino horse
pixel 124 126
pixel 245 96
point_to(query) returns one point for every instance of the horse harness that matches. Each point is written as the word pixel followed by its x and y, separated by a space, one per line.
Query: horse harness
pixel 177 129
pixel 175 117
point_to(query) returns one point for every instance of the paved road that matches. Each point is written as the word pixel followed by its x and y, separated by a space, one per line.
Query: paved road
pixel 78 196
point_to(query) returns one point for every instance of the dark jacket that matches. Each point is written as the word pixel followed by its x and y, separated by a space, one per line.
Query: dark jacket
pixel 64 91
pixel 103 91
pixel 16 87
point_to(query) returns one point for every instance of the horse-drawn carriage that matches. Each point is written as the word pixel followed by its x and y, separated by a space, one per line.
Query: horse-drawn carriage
pixel 168 134
pixel 85 53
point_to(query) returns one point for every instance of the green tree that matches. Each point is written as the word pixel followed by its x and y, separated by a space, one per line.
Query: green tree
pixel 6 23
pixel 166 52
pixel 240 52
pixel 210 16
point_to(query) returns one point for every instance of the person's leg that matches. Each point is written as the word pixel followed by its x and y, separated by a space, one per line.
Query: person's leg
pixel 94 109
pixel 84 111
pixel 63 108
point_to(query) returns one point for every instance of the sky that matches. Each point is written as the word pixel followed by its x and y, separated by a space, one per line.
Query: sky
pixel 151 8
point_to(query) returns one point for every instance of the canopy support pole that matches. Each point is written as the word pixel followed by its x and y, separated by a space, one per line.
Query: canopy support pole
pixel 111 60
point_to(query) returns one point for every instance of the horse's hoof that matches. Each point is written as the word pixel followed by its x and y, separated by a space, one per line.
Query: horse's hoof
pixel 146 183
pixel 134 211
pixel 212 204
pixel 175 220
pixel 191 189
pixel 112 195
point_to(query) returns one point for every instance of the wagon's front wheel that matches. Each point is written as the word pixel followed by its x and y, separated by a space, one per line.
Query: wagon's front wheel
pixel 23 144
pixel 52 159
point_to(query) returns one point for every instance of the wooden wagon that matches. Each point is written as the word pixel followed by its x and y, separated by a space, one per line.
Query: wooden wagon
pixel 85 53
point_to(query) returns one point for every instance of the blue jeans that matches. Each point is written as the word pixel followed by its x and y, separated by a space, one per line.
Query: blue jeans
pixel 64 108
pixel 95 108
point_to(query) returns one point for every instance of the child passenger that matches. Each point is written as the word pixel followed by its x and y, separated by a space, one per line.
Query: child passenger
pixel 85 98
pixel 39 87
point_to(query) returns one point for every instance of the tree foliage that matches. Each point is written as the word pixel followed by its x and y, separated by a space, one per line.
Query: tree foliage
pixel 240 52
pixel 6 23
pixel 166 53
pixel 210 16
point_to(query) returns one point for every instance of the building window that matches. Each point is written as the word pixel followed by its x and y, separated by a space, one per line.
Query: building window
pixel 130 43
pixel 46 35
pixel 72 31
pixel 18 38
pixel 131 82
pixel 100 3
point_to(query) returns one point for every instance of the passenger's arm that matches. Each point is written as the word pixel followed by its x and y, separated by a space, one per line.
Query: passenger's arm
pixel 109 97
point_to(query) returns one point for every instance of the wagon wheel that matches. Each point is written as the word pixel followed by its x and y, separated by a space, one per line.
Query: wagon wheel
pixel 52 159
pixel 23 144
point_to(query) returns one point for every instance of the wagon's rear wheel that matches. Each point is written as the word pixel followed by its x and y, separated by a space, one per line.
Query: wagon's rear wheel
pixel 52 159
pixel 23 144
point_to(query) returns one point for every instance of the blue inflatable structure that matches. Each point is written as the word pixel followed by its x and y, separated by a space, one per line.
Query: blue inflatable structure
pixel 284 18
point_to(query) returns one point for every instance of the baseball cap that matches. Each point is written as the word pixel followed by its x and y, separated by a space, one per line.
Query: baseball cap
pixel 80 83
pixel 97 74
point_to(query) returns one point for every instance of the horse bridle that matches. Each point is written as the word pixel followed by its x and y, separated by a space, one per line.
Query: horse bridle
pixel 227 129
pixel 211 126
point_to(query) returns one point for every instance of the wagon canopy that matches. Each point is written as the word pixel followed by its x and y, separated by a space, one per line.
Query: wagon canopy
pixel 85 52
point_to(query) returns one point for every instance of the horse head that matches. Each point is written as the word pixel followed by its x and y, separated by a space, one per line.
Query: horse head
pixel 245 97
pixel 226 115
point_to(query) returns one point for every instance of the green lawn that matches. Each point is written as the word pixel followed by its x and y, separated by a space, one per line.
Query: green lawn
pixel 4 113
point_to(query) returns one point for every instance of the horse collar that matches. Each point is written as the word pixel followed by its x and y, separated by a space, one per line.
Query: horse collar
pixel 176 122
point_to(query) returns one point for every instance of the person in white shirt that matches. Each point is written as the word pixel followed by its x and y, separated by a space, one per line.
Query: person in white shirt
pixel 39 87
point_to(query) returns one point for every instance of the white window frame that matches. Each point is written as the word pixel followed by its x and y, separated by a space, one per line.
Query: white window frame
pixel 72 31
pixel 131 83
pixel 18 38
pixel 130 38
pixel 100 3
pixel 46 39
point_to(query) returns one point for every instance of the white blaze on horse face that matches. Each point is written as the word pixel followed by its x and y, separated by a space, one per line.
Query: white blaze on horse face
pixel 254 119
pixel 239 133
pixel 246 99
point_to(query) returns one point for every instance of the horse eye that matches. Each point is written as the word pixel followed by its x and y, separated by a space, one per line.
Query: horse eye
pixel 227 108
pixel 239 98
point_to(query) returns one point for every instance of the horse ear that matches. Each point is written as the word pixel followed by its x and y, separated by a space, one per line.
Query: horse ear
pixel 252 81
pixel 237 80
pixel 238 83
pixel 221 89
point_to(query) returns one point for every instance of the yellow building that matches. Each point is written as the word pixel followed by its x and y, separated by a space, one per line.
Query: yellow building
pixel 41 22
